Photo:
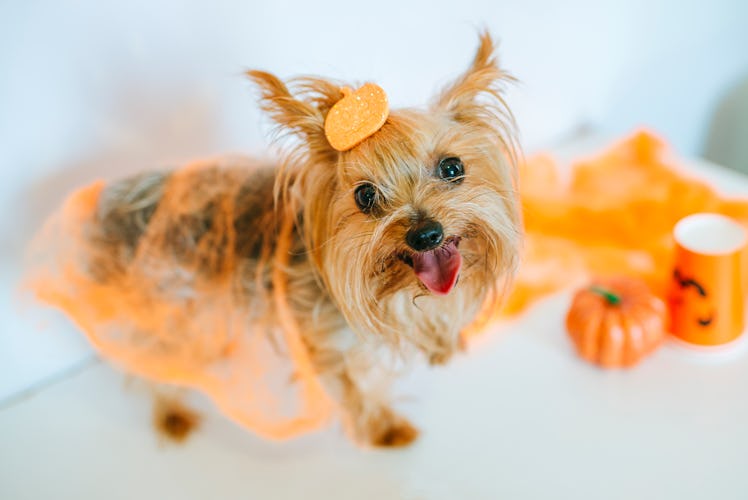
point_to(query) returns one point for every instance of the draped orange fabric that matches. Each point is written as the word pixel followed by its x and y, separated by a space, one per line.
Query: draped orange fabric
pixel 160 315
pixel 162 319
pixel 614 214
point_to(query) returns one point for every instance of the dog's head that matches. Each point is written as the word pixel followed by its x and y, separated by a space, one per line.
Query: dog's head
pixel 426 206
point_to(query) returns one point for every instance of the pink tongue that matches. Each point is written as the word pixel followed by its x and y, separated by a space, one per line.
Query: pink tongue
pixel 438 269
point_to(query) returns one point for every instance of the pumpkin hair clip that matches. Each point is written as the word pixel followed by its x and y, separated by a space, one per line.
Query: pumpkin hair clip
pixel 357 116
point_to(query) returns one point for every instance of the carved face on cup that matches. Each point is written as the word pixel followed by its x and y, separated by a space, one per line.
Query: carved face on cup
pixel 691 294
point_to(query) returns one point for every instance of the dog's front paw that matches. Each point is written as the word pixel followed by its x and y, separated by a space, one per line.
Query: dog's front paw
pixel 441 357
pixel 394 432
pixel 398 434
pixel 387 429
pixel 443 352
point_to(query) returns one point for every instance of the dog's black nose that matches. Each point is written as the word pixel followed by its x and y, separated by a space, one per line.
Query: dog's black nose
pixel 425 236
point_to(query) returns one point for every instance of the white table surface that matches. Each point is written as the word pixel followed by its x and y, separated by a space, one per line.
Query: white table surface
pixel 518 416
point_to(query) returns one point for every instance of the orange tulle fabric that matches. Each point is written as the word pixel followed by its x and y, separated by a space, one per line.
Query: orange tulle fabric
pixel 610 214
pixel 160 318
pixel 163 317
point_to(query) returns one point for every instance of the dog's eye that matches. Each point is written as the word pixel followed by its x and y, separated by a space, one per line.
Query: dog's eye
pixel 365 195
pixel 451 169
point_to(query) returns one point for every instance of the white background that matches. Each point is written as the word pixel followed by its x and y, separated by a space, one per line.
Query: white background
pixel 101 88
pixel 98 88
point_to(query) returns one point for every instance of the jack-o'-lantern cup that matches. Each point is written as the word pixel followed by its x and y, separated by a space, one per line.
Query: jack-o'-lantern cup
pixel 706 294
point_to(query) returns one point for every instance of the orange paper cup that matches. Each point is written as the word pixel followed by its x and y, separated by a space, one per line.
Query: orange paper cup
pixel 706 294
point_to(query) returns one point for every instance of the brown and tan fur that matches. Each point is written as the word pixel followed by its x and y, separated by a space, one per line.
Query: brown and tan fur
pixel 346 283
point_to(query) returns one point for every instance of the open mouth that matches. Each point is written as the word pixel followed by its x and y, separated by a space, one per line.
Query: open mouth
pixel 437 269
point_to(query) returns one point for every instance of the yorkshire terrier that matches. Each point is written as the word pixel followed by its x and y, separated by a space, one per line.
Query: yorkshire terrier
pixel 395 242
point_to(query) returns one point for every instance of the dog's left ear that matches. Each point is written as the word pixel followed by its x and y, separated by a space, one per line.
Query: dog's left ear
pixel 299 107
pixel 481 84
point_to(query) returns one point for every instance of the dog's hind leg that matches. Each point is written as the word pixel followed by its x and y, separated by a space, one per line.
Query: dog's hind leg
pixel 173 419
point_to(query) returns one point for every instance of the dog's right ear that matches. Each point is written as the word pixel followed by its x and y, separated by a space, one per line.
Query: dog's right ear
pixel 299 107
pixel 480 85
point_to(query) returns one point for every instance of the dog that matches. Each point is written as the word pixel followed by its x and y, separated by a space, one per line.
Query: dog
pixel 393 245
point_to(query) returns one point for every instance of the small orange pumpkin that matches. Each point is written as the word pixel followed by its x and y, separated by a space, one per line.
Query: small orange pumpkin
pixel 616 322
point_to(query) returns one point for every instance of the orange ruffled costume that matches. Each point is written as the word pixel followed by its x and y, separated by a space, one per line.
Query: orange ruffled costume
pixel 181 314
pixel 615 215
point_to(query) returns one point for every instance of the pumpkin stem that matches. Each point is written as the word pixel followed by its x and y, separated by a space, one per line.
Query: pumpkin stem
pixel 610 297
